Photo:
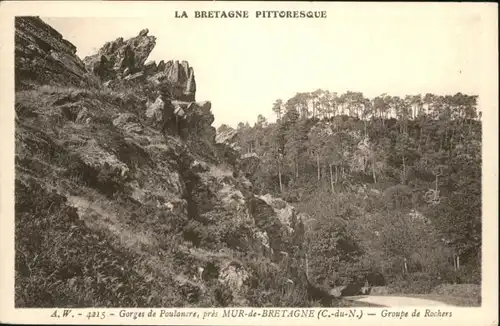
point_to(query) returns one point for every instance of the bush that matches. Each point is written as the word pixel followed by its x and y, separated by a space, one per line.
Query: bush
pixel 60 262
pixel 271 287
pixel 417 283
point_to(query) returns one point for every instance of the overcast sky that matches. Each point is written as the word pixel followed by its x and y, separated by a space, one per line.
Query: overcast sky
pixel 243 65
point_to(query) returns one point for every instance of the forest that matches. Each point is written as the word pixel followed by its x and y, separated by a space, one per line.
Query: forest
pixel 392 184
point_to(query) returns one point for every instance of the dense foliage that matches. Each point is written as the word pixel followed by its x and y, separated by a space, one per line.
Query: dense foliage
pixel 393 184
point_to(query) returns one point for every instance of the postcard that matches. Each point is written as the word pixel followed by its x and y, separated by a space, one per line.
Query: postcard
pixel 248 163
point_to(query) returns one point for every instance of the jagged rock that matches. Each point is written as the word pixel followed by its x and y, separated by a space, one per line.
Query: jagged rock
pixel 161 65
pixel 117 56
pixel 181 76
pixel 228 137
pixel 150 68
pixel 121 58
pixel 44 56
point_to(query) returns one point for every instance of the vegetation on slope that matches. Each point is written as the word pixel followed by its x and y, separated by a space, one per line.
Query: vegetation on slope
pixel 121 202
pixel 394 184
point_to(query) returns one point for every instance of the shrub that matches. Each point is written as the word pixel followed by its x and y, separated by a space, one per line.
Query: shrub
pixel 60 262
pixel 271 287
pixel 417 283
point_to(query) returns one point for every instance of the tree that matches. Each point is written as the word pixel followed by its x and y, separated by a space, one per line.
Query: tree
pixel 331 248
pixel 278 108
pixel 261 121
pixel 336 155
pixel 405 153
pixel 223 128
pixel 426 150
pixel 296 145
pixel 316 146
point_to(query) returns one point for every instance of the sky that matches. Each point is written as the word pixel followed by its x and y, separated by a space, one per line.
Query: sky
pixel 242 66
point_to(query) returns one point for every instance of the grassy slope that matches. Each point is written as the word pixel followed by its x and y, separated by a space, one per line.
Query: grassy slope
pixel 81 237
pixel 103 258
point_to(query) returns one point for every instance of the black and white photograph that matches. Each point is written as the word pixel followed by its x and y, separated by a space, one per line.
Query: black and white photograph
pixel 199 158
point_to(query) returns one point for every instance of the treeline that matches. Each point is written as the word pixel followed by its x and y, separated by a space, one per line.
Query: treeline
pixel 420 153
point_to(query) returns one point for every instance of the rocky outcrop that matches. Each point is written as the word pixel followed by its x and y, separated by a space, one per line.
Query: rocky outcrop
pixel 43 56
pixel 228 137
pixel 139 166
pixel 199 119
pixel 121 58
pixel 181 76
pixel 124 62
pixel 266 219
pixel 191 121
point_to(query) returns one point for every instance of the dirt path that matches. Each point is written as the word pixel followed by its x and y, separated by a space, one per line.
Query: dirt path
pixel 394 301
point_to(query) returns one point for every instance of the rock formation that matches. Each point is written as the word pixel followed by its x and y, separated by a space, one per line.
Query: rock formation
pixel 130 168
pixel 43 56
pixel 120 58
pixel 125 61
pixel 227 137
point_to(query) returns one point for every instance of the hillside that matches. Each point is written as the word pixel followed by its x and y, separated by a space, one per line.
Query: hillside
pixel 123 198
pixel 127 196
pixel 393 185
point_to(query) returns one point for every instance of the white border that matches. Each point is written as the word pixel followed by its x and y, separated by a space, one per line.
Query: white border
pixel 486 315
